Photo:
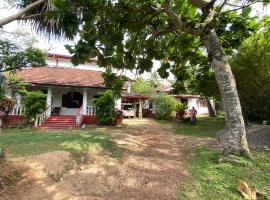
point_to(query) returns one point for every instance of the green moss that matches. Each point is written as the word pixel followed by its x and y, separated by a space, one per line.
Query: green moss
pixel 213 180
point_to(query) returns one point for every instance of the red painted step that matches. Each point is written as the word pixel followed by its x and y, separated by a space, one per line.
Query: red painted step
pixel 60 122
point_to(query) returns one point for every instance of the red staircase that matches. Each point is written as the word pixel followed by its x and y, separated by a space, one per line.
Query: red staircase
pixel 60 122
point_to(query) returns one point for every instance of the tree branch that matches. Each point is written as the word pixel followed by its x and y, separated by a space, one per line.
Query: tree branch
pixel 180 23
pixel 20 13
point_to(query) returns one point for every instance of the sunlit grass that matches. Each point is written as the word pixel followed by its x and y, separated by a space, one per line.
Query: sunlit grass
pixel 205 127
pixel 213 180
pixel 24 142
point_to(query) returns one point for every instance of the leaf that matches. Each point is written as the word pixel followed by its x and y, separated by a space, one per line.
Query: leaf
pixel 246 11
pixel 247 192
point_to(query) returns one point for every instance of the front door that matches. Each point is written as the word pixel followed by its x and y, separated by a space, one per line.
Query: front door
pixel 71 102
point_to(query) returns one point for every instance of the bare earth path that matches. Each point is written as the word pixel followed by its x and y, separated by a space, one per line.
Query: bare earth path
pixel 152 167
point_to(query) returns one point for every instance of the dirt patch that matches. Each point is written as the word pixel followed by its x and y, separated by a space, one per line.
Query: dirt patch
pixel 52 162
pixel 152 167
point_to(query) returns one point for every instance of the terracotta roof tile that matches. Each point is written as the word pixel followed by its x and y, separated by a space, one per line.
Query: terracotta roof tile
pixel 62 76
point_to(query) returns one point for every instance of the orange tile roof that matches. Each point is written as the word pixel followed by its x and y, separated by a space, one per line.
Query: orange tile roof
pixel 62 76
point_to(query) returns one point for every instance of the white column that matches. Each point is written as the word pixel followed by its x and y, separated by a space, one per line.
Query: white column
pixel 135 113
pixel 49 101
pixel 49 97
pixel 118 103
pixel 140 109
pixel 84 104
pixel 153 107
pixel 9 92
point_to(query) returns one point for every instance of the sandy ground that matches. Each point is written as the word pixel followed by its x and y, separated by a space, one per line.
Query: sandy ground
pixel 152 167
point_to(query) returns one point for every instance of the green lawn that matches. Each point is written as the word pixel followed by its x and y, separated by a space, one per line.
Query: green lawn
pixel 24 142
pixel 218 181
pixel 205 127
pixel 214 181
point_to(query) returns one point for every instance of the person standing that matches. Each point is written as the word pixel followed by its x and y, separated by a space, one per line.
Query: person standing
pixel 193 113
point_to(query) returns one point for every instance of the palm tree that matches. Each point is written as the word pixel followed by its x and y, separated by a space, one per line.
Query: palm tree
pixel 154 79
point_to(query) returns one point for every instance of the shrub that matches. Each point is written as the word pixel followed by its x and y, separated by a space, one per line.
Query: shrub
pixel 106 113
pixel 33 103
pixel 251 67
pixel 6 106
pixel 181 111
pixel 165 104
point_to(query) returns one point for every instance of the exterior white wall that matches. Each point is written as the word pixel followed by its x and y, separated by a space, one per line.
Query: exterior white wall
pixel 194 102
pixel 118 103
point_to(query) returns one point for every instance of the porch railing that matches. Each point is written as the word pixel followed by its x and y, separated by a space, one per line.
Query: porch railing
pixel 41 118
pixel 91 110
pixel 17 110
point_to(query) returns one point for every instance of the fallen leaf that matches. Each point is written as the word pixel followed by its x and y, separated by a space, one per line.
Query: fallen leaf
pixel 247 192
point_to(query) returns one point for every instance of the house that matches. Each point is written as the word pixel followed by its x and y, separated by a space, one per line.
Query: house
pixel 196 101
pixel 71 92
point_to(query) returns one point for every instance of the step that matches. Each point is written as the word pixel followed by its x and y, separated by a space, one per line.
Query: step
pixel 61 121
pixel 62 125
pixel 59 128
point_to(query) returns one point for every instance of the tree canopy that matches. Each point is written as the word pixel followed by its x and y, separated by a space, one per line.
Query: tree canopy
pixel 143 87
pixel 251 66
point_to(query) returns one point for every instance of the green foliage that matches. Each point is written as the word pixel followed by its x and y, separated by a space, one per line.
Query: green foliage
pixel 165 105
pixel 34 102
pixel 181 111
pixel 142 87
pixel 15 83
pixel 251 67
pixel 106 113
pixel 131 34
pixel 6 106
pixel 213 180
pixel 114 82
pixel 15 56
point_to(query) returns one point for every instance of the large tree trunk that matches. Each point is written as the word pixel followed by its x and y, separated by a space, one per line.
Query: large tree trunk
pixel 236 142
pixel 210 108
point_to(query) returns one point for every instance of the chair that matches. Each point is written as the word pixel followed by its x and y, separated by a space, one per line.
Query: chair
pixel 56 111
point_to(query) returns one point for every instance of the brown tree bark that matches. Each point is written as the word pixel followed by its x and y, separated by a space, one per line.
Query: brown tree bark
pixel 236 142
pixel 210 108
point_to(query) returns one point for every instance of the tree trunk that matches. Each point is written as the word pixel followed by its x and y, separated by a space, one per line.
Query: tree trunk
pixel 211 111
pixel 19 14
pixel 236 142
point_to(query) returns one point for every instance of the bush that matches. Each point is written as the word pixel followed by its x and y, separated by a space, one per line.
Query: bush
pixel 251 67
pixel 165 104
pixel 6 106
pixel 33 103
pixel 106 113
pixel 181 111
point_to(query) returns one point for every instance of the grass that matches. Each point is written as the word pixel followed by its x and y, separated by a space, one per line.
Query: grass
pixel 213 180
pixel 205 127
pixel 23 142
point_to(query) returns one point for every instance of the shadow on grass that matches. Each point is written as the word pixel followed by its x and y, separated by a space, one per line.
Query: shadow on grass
pixel 33 142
